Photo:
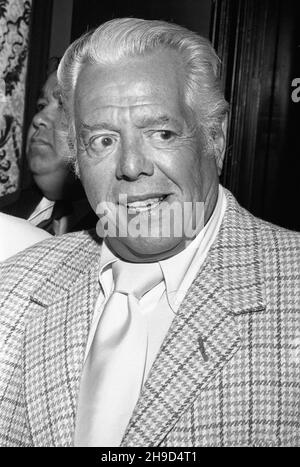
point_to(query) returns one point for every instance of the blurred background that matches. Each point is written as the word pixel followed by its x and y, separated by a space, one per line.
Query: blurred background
pixel 258 42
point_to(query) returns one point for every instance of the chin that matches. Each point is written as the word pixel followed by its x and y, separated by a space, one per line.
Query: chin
pixel 35 164
pixel 145 249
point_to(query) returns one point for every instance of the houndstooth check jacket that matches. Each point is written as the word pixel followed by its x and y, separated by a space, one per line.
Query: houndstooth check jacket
pixel 227 374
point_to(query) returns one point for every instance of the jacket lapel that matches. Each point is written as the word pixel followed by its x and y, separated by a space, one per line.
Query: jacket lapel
pixel 55 344
pixel 203 335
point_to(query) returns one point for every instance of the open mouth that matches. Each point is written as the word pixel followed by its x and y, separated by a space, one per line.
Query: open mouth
pixel 145 205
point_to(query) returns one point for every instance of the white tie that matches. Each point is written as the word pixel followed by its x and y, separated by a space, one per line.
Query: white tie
pixel 114 370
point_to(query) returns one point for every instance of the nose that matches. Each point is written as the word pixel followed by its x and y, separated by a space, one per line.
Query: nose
pixel 40 119
pixel 133 162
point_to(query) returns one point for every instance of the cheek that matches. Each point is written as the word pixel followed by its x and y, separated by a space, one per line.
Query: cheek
pixel 43 159
pixel 182 167
pixel 203 176
pixel 61 143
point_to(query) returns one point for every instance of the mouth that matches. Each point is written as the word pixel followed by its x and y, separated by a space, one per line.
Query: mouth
pixel 145 203
pixel 39 142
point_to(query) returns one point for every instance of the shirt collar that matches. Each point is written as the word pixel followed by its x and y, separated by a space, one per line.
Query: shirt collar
pixel 44 208
pixel 175 268
pixel 106 259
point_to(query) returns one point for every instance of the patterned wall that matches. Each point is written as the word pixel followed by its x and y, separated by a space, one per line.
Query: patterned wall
pixel 14 30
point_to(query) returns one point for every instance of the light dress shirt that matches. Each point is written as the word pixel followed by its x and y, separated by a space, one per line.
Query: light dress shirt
pixel 42 211
pixel 160 304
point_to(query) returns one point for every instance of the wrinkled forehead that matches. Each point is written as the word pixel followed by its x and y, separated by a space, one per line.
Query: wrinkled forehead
pixel 157 79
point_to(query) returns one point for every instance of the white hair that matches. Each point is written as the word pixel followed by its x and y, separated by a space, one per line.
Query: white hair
pixel 128 37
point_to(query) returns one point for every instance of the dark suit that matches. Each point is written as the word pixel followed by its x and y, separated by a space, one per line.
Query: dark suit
pixel 31 197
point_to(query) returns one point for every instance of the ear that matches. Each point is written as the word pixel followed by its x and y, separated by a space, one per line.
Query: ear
pixel 220 143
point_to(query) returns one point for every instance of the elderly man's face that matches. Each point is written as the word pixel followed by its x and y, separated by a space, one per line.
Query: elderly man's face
pixel 136 137
pixel 46 149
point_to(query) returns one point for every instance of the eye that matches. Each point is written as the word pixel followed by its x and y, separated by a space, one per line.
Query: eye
pixel 101 143
pixel 57 96
pixel 107 141
pixel 162 136
pixel 59 101
pixel 40 106
pixel 166 134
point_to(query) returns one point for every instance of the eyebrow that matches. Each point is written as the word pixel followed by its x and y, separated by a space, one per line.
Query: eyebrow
pixel 143 122
pixel 97 126
pixel 46 96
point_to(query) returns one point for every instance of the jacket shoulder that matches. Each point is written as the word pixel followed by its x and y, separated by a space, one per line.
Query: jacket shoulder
pixel 279 241
pixel 276 248
pixel 53 256
pixel 243 221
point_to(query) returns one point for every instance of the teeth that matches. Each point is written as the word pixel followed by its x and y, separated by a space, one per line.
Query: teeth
pixel 145 204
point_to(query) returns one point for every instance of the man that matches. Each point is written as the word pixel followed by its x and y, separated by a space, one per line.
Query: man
pixel 56 201
pixel 186 337
pixel 16 235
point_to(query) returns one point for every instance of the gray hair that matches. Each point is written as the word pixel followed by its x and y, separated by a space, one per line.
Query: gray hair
pixel 128 37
